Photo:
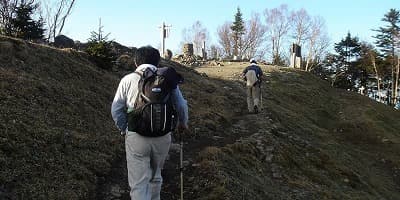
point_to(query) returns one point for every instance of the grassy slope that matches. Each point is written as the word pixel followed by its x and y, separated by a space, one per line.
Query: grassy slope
pixel 57 138
pixel 323 143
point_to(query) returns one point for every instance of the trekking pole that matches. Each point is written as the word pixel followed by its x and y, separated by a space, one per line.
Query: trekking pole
pixel 181 161
pixel 261 100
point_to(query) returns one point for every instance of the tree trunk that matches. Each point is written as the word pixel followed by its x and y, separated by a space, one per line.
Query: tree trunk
pixel 308 62
pixel 377 79
pixel 396 82
pixel 56 18
pixel 393 78
pixel 273 51
pixel 310 55
pixel 393 82
pixel 65 16
pixel 335 77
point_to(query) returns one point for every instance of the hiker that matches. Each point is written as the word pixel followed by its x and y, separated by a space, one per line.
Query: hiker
pixel 252 75
pixel 146 153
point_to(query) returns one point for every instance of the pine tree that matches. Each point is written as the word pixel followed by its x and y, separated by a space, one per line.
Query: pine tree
pixel 386 40
pixel 238 30
pixel 99 47
pixel 23 26
pixel 348 51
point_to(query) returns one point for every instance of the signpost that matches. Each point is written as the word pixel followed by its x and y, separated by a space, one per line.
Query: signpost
pixel 164 34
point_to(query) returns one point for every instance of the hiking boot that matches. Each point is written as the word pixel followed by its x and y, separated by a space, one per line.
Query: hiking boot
pixel 255 109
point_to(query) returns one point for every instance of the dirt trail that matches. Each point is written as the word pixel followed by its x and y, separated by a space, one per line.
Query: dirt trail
pixel 297 147
pixel 242 127
pixel 239 128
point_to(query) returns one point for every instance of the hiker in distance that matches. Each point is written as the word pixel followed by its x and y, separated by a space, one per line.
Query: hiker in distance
pixel 147 106
pixel 252 75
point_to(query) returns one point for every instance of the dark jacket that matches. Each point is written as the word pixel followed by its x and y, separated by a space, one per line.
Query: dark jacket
pixel 257 69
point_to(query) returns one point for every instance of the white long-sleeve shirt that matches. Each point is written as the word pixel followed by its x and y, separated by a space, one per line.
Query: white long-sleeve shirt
pixel 127 92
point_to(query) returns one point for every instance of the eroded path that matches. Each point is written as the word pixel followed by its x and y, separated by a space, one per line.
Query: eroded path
pixel 237 129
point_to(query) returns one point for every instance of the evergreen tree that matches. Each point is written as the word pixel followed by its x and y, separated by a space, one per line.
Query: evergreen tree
pixel 23 25
pixel 386 40
pixel 238 30
pixel 348 51
pixel 386 37
pixel 99 48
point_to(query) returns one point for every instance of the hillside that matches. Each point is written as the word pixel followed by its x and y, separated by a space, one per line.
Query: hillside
pixel 311 141
pixel 56 138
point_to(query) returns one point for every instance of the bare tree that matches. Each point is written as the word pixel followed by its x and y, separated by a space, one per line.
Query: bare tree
pixel 369 61
pixel 373 60
pixel 197 34
pixel 56 15
pixel 321 49
pixel 301 25
pixel 262 51
pixel 253 37
pixel 224 33
pixel 215 51
pixel 200 36
pixel 277 22
pixel 318 42
pixel 186 36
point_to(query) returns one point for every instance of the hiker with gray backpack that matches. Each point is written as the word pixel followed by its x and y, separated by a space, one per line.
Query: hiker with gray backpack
pixel 253 75
pixel 147 107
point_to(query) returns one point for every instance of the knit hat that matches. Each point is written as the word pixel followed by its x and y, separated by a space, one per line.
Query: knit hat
pixel 253 61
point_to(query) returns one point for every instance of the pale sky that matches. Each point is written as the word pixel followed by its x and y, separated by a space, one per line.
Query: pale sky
pixel 136 22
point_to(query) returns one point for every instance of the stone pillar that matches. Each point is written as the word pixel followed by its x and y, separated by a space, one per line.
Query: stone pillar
pixel 187 50
pixel 203 51
pixel 295 57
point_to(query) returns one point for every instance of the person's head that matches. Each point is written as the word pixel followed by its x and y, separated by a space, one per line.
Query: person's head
pixel 253 61
pixel 147 55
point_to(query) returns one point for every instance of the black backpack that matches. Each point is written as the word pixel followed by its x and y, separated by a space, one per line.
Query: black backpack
pixel 153 114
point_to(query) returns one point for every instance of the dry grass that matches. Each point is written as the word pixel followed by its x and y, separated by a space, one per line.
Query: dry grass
pixel 57 139
pixel 312 142
pixel 328 143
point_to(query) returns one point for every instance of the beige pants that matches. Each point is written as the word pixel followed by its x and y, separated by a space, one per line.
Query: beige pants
pixel 145 158
pixel 253 97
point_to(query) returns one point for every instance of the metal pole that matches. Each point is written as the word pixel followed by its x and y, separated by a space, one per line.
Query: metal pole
pixel 261 99
pixel 163 39
pixel 164 34
pixel 181 162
